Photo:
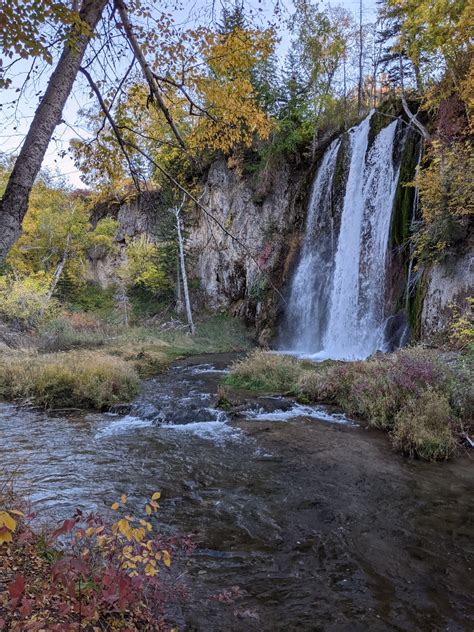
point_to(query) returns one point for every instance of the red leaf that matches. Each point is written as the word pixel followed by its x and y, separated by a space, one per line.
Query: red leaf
pixel 2 624
pixel 16 588
pixel 26 607
pixel 66 527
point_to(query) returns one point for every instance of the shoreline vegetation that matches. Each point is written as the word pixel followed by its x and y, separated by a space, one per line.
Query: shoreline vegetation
pixel 97 366
pixel 422 397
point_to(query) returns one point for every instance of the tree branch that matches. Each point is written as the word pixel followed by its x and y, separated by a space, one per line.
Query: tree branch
pixel 122 142
pixel 118 136
pixel 412 117
pixel 154 88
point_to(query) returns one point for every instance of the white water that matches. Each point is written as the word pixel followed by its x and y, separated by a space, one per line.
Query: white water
pixel 307 295
pixel 337 297
pixel 297 410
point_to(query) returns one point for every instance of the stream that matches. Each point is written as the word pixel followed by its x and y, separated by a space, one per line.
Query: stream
pixel 313 517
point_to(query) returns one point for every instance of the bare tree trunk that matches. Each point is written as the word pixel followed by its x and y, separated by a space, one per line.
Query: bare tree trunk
pixel 147 71
pixel 412 117
pixel 361 79
pixel 179 297
pixel 184 276
pixel 345 89
pixel 14 203
pixel 59 270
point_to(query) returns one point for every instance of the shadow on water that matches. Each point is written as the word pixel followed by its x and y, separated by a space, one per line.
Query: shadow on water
pixel 315 520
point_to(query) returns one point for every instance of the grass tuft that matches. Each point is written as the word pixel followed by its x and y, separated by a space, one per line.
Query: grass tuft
pixel 422 427
pixel 262 371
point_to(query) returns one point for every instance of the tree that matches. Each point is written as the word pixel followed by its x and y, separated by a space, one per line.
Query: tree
pixel 182 267
pixel 206 71
pixel 14 203
pixel 23 33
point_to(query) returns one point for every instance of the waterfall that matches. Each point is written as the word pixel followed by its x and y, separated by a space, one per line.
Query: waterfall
pixel 337 295
pixel 309 291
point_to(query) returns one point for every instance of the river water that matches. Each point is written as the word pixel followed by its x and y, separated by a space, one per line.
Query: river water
pixel 312 517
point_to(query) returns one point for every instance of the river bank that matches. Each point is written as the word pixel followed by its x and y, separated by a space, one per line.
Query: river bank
pixel 422 397
pixel 100 366
pixel 303 519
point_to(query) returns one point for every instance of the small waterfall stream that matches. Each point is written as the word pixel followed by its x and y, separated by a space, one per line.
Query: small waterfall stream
pixel 337 298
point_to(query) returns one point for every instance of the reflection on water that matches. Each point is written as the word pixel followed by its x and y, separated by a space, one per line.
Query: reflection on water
pixel 313 517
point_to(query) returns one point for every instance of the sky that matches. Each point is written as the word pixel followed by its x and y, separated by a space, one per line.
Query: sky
pixel 14 121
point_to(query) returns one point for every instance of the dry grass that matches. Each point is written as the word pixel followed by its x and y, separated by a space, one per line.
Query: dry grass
pixel 262 371
pixel 82 379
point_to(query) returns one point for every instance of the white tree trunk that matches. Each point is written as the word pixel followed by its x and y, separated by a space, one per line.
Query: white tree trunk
pixel 184 276
pixel 59 270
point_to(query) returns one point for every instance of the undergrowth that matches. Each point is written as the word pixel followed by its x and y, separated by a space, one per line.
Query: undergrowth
pixel 79 362
pixel 423 400
pixel 89 573
pixel 78 379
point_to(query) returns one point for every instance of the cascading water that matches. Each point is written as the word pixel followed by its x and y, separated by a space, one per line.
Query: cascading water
pixel 336 301
pixel 309 290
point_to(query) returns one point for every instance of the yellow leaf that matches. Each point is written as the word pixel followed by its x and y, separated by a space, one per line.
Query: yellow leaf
pixel 138 534
pixel 148 510
pixel 123 498
pixel 7 521
pixel 166 559
pixel 150 570
pixel 156 495
pixel 5 536
pixel 124 528
pixel 115 506
pixel 90 531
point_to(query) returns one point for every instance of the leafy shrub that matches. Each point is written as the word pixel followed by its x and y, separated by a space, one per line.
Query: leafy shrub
pixel 375 390
pixel 266 372
pixel 461 328
pixel 24 302
pixel 86 380
pixel 319 383
pixel 383 391
pixel 90 297
pixel 462 389
pixel 422 427
pixel 446 197
pixel 90 573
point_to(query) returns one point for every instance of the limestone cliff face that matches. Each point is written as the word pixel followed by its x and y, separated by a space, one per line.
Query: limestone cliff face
pixel 242 253
pixel 245 266
pixel 447 283
pixel 146 214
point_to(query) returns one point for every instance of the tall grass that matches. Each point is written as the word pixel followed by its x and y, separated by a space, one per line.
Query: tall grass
pixel 67 369
pixel 76 379
pixel 262 371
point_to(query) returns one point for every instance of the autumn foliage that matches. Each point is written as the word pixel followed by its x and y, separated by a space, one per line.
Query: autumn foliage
pixel 88 574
